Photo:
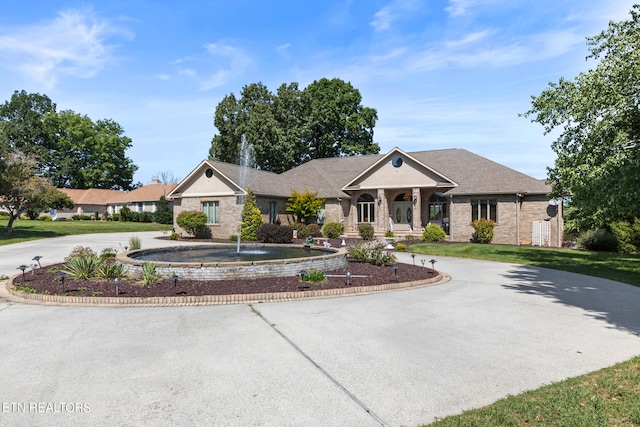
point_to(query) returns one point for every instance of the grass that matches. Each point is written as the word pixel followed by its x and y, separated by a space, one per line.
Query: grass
pixel 610 396
pixel 25 230
pixel 620 267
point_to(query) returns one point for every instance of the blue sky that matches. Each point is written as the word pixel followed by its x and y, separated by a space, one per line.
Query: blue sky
pixel 441 73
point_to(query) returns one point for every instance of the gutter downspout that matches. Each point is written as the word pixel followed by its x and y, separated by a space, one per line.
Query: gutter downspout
pixel 518 196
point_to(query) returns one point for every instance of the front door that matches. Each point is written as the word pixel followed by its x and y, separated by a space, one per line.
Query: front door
pixel 403 215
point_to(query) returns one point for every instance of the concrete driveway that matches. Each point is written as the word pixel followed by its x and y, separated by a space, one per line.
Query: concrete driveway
pixel 397 358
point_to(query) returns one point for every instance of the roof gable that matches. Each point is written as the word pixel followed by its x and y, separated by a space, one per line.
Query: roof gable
pixel 398 169
pixel 213 178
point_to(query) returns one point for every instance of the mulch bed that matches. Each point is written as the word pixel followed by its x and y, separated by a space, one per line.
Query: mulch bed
pixel 46 280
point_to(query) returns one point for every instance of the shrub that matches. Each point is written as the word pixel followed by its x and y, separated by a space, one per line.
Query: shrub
pixel 366 231
pixel 302 229
pixel 173 235
pixel 108 253
pixel 193 222
pixel 251 217
pixel 274 233
pixel 628 235
pixel 81 251
pixel 333 230
pixel 145 217
pixel 111 270
pixel 150 275
pixel 598 240
pixel 371 253
pixel 163 213
pixel 45 217
pixel 126 214
pixel 115 217
pixel 314 276
pixel 134 243
pixel 314 230
pixel 82 267
pixel 401 247
pixel 433 233
pixel 483 230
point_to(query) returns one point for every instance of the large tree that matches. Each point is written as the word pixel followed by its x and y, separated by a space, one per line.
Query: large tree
pixel 69 149
pixel 597 115
pixel 335 123
pixel 21 190
pixel 326 119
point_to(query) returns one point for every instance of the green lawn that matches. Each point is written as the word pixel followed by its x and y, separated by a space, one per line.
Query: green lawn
pixel 620 267
pixel 610 396
pixel 24 230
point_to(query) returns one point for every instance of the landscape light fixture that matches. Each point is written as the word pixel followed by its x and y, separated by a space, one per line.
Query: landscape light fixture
pixel 433 263
pixel 394 268
pixel 348 276
pixel 37 259
pixel 116 281
pixel 413 257
pixel 302 286
pixel 62 276
pixel 33 269
pixel 422 261
pixel 379 200
pixel 175 278
pixel 23 268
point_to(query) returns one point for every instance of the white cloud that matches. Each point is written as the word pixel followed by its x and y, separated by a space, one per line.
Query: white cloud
pixel 385 17
pixel 229 61
pixel 458 7
pixel 283 50
pixel 73 44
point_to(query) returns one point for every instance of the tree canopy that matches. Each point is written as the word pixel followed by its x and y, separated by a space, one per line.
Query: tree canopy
pixel 293 126
pixel 21 190
pixel 598 118
pixel 70 149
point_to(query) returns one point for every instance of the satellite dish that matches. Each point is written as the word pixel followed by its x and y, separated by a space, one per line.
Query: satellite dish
pixel 554 202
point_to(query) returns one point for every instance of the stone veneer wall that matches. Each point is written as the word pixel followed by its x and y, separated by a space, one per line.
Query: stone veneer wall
pixel 242 270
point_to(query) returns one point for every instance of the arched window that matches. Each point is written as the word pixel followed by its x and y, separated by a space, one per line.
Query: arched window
pixel 366 208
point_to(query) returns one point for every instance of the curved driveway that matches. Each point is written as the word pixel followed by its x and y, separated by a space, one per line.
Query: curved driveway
pixel 396 358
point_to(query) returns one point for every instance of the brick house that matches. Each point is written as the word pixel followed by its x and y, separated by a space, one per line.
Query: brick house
pixel 142 199
pixel 92 200
pixel 398 191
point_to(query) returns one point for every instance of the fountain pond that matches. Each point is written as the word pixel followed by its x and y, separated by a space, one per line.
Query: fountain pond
pixel 220 262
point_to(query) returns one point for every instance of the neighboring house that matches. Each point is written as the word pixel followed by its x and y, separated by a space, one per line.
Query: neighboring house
pixel 398 191
pixel 143 199
pixel 87 202
pixel 92 200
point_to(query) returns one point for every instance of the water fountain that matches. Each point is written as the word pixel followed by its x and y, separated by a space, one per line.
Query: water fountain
pixel 207 262
pixel 247 161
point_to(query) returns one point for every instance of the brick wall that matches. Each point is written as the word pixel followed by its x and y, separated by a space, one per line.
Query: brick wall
pixel 509 229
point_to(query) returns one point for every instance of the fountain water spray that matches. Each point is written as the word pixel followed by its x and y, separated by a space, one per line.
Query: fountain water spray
pixel 247 161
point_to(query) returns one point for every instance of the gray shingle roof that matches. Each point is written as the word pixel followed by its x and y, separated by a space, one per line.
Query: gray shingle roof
pixel 474 174
pixel 478 175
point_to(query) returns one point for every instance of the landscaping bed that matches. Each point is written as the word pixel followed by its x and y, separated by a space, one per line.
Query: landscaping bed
pixel 46 280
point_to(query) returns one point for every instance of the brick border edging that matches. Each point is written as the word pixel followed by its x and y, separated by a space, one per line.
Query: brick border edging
pixel 18 296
